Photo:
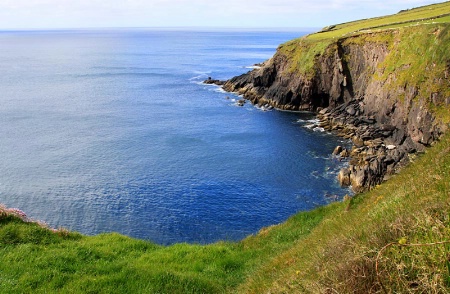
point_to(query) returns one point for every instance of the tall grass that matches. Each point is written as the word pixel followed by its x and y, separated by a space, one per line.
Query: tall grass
pixel 342 252
pixel 35 259
pixel 339 248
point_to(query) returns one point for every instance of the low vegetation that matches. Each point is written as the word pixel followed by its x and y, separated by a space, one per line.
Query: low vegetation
pixel 395 238
pixel 412 27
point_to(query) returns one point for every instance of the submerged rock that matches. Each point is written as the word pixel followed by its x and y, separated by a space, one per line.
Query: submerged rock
pixel 240 102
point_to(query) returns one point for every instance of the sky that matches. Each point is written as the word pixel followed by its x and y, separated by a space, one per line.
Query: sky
pixel 53 14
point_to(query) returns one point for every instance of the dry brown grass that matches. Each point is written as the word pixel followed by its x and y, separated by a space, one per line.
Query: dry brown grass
pixel 341 254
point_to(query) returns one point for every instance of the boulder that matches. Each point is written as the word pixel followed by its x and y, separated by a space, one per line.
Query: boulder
pixel 344 153
pixel 344 177
pixel 240 102
pixel 357 141
pixel 358 178
pixel 351 110
pixel 337 150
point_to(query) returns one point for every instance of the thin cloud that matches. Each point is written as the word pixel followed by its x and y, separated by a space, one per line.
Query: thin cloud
pixel 268 13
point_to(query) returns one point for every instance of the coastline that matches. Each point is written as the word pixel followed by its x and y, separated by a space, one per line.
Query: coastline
pixel 388 121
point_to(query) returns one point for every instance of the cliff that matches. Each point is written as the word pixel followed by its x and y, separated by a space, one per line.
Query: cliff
pixel 383 83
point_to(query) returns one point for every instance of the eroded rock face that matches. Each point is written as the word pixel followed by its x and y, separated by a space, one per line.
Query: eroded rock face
pixel 385 123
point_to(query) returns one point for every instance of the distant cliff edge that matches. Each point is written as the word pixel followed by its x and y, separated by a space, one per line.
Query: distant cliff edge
pixel 383 83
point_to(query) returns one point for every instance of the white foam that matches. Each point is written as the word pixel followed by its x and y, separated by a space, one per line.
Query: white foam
pixel 219 89
pixel 253 67
pixel 199 75
pixel 314 121
pixel 319 129
pixel 265 107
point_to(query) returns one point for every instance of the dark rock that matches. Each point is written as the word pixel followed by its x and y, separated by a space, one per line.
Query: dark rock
pixel 409 145
pixel 352 103
pixel 368 120
pixel 385 127
pixel 240 102
pixel 397 138
pixel 351 110
pixel 211 81
pixel 367 136
pixel 389 160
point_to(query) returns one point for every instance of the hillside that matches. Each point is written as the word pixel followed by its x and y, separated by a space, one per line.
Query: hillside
pixel 381 82
pixel 399 226
pixel 384 83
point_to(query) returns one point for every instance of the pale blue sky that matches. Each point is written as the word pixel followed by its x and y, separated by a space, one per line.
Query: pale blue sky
pixel 36 14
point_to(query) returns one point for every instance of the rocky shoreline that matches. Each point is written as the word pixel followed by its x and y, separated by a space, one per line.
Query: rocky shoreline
pixel 387 124
pixel 378 150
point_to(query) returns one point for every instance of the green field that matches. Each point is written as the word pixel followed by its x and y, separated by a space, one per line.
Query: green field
pixel 414 26
pixel 334 247
pixel 432 14
pixel 393 239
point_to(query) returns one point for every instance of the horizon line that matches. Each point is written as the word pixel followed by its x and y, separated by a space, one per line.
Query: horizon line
pixel 165 28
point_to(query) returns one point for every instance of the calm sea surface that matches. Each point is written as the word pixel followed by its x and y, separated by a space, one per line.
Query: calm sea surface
pixel 109 130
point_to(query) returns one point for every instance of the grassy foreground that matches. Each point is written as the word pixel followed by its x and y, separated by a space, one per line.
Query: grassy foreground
pixel 392 238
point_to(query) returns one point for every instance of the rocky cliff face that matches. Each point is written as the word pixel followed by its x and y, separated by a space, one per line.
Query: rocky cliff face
pixel 359 89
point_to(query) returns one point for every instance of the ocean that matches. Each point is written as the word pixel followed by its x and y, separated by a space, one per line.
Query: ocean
pixel 113 131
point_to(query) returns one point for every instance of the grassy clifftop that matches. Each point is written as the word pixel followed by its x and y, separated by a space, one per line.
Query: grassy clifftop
pixel 418 40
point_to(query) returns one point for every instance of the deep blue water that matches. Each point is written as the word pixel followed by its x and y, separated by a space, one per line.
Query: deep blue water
pixel 108 130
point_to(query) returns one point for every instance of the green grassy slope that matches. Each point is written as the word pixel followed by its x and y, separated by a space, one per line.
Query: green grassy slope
pixel 333 247
pixel 437 13
pixel 410 214
pixel 406 33
pixel 36 259
pixel 392 238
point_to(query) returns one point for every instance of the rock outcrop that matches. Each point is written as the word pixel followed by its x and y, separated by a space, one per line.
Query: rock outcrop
pixel 211 81
pixel 359 89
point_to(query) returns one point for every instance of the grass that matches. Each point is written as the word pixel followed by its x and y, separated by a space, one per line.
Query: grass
pixel 333 248
pixel 340 254
pixel 436 13
pixel 303 52
pixel 35 259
